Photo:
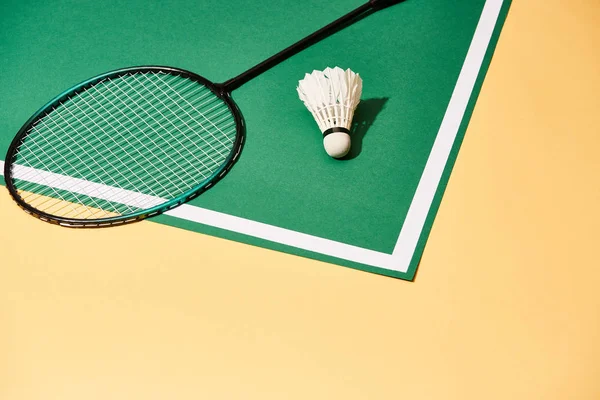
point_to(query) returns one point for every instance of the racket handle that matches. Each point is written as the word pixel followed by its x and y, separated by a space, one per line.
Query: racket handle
pixel 379 4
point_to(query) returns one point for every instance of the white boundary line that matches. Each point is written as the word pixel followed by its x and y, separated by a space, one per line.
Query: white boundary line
pixel 440 152
pixel 411 230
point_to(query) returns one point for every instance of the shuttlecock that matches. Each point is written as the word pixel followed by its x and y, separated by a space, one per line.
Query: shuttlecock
pixel 332 96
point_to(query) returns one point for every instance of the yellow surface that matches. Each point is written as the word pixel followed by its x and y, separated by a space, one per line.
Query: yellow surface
pixel 506 303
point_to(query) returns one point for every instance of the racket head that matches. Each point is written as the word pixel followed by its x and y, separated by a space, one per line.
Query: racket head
pixel 189 128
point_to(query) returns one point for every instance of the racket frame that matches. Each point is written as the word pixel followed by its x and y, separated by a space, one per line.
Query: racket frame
pixel 188 195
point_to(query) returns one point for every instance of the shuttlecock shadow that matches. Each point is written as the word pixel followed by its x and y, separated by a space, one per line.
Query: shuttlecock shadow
pixel 364 117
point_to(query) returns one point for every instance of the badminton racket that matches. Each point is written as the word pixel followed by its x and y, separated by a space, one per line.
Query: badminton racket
pixel 133 143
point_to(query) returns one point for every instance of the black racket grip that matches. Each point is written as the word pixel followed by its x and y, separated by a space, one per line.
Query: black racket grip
pixel 379 4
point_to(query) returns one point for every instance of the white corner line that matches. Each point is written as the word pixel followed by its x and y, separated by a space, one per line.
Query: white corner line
pixel 411 230
pixel 446 137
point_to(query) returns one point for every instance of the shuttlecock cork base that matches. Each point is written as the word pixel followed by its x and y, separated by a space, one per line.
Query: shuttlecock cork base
pixel 331 96
pixel 337 142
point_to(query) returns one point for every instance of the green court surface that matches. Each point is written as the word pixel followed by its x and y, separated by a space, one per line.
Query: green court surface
pixel 422 63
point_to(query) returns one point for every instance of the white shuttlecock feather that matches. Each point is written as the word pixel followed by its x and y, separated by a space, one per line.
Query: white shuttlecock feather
pixel 332 96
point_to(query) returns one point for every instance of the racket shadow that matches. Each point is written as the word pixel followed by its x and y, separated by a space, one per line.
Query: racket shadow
pixel 364 117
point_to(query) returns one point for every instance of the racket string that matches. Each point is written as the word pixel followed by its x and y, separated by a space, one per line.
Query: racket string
pixel 162 144
pixel 212 144
pixel 49 184
pixel 136 149
pixel 30 175
pixel 75 188
pixel 72 112
pixel 30 192
pixel 155 135
pixel 158 120
pixel 194 108
pixel 95 176
pixel 47 190
pixel 166 130
pixel 65 143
